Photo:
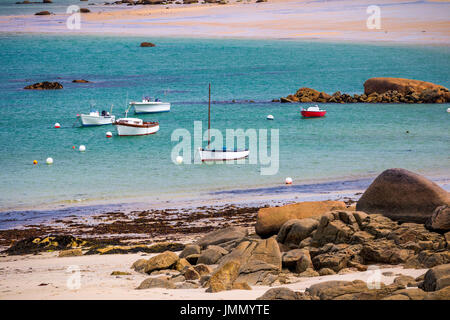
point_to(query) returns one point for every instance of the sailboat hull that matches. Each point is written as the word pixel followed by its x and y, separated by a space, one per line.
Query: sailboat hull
pixel 222 155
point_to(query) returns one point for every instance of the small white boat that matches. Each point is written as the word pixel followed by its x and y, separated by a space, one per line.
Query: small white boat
pixel 222 155
pixel 207 154
pixel 147 106
pixel 94 118
pixel 135 127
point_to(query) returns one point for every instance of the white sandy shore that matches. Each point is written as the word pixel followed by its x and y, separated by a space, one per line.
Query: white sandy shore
pixel 417 22
pixel 21 277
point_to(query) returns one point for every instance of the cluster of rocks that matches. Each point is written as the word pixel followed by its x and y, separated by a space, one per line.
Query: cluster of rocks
pixel 378 90
pixel 46 85
pixel 434 285
pixel 324 238
pixel 221 260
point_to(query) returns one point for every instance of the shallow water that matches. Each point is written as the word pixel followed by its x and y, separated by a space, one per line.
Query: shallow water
pixel 353 141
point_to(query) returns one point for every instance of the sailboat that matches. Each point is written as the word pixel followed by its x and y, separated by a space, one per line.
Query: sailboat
pixel 208 154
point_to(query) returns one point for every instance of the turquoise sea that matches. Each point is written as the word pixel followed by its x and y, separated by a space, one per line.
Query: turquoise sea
pixel 354 141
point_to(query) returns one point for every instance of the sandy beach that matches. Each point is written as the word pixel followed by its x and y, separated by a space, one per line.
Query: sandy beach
pixel 410 22
pixel 45 277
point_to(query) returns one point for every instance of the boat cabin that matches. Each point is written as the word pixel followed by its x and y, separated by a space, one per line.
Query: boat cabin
pixel 132 121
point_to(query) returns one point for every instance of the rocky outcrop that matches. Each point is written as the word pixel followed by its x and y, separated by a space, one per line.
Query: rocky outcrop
pixel 403 195
pixel 190 249
pixel 223 236
pixel 403 86
pixel 270 220
pixel 165 260
pixel 81 81
pixel 147 44
pixel 44 86
pixel 440 219
pixel 436 278
pixel 294 231
pixel 354 239
pixel 224 276
pixel 211 255
pixel 43 13
pixel 281 294
pixel 257 261
pixel 379 90
pixel 160 282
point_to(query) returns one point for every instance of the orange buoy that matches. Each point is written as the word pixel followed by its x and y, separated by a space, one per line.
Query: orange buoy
pixel 35 162
pixel 73 147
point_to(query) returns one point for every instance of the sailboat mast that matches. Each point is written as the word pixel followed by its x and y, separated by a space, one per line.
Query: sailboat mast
pixel 209 114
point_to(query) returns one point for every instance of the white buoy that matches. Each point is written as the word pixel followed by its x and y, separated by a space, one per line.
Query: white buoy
pixel 448 110
pixel 288 180
pixel 49 160
pixel 109 134
pixel 179 159
pixel 82 148
pixel 57 125
pixel 270 117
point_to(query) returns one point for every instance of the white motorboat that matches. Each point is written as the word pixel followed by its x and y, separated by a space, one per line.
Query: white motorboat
pixel 94 118
pixel 148 106
pixel 135 127
pixel 208 154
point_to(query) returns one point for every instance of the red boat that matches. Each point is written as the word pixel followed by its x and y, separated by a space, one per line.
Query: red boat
pixel 313 112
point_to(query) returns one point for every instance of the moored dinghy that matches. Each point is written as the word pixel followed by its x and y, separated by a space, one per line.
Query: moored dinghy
pixel 208 154
pixel 148 106
pixel 313 112
pixel 94 118
pixel 135 127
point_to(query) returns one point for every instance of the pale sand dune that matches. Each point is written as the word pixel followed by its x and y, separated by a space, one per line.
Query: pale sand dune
pixel 423 22
pixel 22 275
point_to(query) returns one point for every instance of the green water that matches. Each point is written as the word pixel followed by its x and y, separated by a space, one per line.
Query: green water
pixel 352 141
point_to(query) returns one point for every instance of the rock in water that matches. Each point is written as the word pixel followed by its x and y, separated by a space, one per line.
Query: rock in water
pixel 44 86
pixel 147 44
pixel 382 85
pixel 270 220
pixel 81 81
pixel 42 13
pixel 403 195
